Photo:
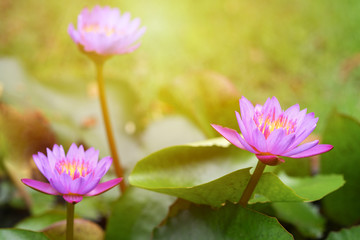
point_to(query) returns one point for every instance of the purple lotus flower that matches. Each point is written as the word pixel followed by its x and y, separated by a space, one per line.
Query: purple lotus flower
pixel 269 132
pixel 74 175
pixel 106 32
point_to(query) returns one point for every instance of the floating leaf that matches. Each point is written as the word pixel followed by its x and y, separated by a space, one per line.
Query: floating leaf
pixel 295 167
pixel 228 222
pixel 189 165
pixel 271 188
pixel 37 223
pixel 212 175
pixel 343 132
pixel 345 234
pixel 136 214
pixel 20 234
pixel 41 203
pixel 303 216
pixel 314 188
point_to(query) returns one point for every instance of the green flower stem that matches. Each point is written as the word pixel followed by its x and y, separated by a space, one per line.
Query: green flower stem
pixel 111 140
pixel 252 184
pixel 70 221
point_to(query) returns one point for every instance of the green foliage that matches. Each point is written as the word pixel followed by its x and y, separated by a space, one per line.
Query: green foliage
pixel 345 234
pixel 344 133
pixel 199 163
pixel 305 217
pixel 38 223
pixel 316 38
pixel 228 222
pixel 6 192
pixel 210 174
pixel 296 167
pixel 136 214
pixel 41 203
pixel 314 188
pixel 196 58
pixel 20 234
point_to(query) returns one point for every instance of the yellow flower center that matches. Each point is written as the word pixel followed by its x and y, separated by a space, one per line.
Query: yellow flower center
pixel 267 124
pixel 96 28
pixel 73 168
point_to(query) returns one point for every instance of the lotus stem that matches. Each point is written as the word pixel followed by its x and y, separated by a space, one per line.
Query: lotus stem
pixel 70 221
pixel 111 140
pixel 255 177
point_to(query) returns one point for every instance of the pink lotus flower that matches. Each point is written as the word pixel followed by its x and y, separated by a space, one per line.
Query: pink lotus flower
pixel 269 132
pixel 72 176
pixel 106 32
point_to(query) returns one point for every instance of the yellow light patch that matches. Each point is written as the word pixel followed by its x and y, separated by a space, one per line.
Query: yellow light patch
pixel 96 28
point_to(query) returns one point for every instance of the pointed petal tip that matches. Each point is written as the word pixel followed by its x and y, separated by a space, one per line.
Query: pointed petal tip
pixel 73 145
pixel 103 187
pixel 73 150
pixel 107 160
pixel 217 127
pixel 273 98
pixel 81 147
pixel 243 98
pixel 229 134
pixel 56 147
pixel 316 150
pixel 326 147
pixel 71 28
pixel 40 186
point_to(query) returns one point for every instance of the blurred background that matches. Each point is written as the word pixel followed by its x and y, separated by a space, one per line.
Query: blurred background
pixel 196 60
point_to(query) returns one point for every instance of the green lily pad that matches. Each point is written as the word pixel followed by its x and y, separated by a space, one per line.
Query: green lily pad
pixel 210 174
pixel 305 217
pixel 136 214
pixel 228 222
pixel 20 234
pixel 37 223
pixel 314 188
pixel 345 234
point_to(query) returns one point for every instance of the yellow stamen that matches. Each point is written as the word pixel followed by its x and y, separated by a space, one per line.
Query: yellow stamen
pixel 70 168
pixel 269 123
pixel 95 28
